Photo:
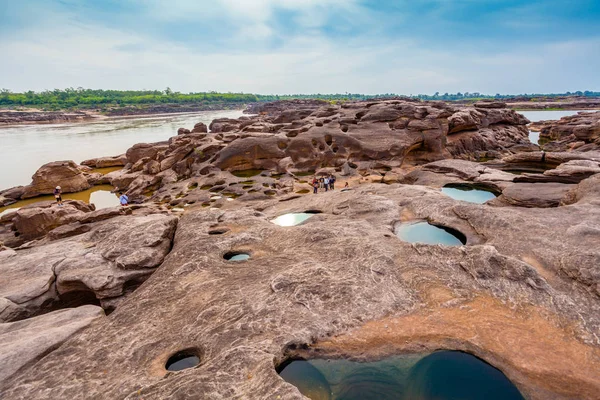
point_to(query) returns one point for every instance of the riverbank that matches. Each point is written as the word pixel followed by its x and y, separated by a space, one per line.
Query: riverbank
pixel 33 116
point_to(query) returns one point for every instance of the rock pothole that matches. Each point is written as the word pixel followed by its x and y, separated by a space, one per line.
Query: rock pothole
pixel 236 256
pixel 426 233
pixel 183 359
pixel 439 375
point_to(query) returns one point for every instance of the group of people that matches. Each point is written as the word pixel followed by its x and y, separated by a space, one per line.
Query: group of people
pixel 326 182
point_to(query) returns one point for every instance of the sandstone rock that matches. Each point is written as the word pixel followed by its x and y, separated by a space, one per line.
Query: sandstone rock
pixel 65 174
pixel 14 193
pixel 32 223
pixel 243 319
pixel 24 343
pixel 183 131
pixel 104 214
pixel 68 230
pixel 104 162
pixel 141 150
pixel 200 128
pixel 540 195
pixel 97 266
pixel 585 126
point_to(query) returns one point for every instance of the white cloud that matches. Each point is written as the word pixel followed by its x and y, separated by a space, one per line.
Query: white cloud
pixel 60 51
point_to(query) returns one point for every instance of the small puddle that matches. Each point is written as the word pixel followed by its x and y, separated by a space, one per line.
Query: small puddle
pixel 423 232
pixel 182 360
pixel 443 375
pixel 291 219
pixel 99 195
pixel 468 193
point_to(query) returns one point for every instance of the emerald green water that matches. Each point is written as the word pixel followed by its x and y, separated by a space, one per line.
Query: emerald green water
pixel 291 219
pixel 423 232
pixel 443 375
pixel 467 193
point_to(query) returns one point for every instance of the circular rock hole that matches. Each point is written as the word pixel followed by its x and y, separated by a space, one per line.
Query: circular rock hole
pixel 426 233
pixel 236 256
pixel 328 140
pixel 182 360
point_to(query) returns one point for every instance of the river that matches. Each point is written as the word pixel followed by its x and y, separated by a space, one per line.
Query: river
pixel 27 147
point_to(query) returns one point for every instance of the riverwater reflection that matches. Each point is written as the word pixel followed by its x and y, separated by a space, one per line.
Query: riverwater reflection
pixel 27 147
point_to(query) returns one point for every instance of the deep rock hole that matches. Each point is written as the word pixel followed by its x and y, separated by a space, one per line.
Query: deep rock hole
pixel 182 360
pixel 236 256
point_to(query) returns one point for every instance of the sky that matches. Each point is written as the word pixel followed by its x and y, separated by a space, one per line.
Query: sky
pixel 302 46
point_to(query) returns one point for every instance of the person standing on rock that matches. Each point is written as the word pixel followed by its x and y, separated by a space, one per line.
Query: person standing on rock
pixel 331 182
pixel 326 183
pixel 315 185
pixel 123 199
pixel 58 195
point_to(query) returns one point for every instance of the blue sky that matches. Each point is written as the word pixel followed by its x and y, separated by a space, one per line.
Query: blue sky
pixel 302 46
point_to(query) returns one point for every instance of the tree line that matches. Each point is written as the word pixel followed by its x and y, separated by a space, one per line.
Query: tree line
pixel 96 98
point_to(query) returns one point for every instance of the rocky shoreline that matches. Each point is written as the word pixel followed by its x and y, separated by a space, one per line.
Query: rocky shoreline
pixel 33 116
pixel 522 293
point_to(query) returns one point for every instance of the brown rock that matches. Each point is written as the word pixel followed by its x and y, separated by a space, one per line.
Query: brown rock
pixel 23 343
pixel 65 174
pixel 200 128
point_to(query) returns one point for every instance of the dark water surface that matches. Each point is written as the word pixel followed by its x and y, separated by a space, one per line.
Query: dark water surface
pixel 423 232
pixel 443 375
pixel 180 361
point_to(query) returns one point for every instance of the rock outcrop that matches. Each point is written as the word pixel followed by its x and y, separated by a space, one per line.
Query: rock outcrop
pixel 99 266
pixel 370 294
pixel 579 132
pixel 522 293
pixel 66 174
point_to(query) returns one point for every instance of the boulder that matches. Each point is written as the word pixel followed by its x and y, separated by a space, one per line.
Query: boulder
pixel 200 128
pixel 65 174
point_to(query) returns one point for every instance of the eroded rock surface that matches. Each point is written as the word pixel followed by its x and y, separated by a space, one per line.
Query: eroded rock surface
pixel 522 294
pixel 98 266
pixel 526 279
pixel 23 343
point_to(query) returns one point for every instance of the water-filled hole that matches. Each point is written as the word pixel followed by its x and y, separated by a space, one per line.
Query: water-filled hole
pixel 470 193
pixel 236 256
pixel 442 375
pixel 182 360
pixel 424 232
pixel 291 219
